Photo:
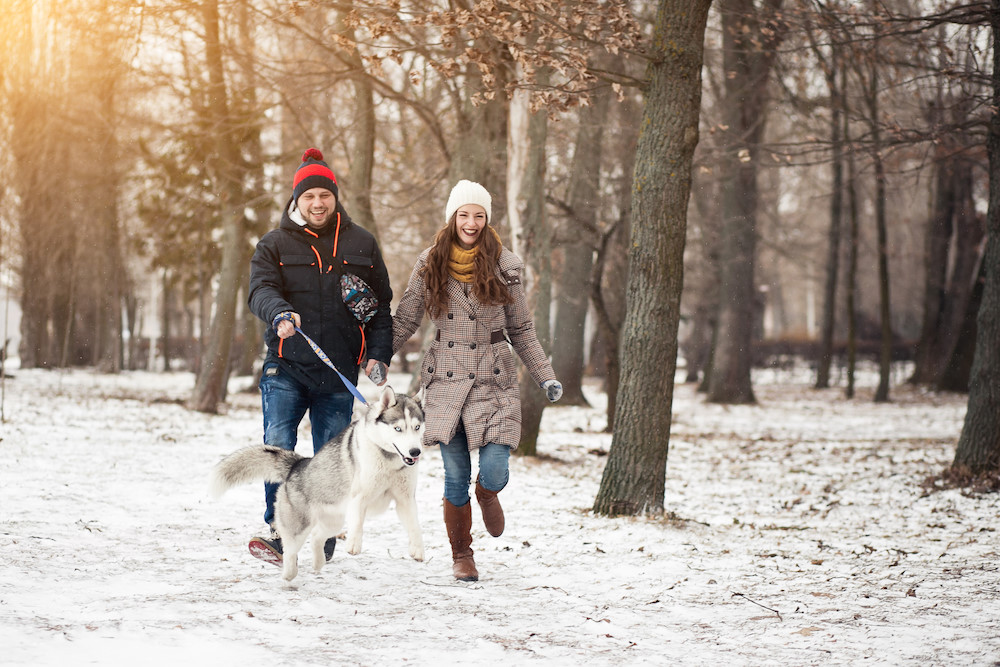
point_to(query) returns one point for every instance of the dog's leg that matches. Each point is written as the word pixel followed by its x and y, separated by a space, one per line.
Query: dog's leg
pixel 355 523
pixel 290 547
pixel 406 509
pixel 293 535
pixel 327 526
pixel 319 558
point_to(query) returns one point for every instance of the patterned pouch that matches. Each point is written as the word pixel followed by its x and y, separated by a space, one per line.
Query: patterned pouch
pixel 358 297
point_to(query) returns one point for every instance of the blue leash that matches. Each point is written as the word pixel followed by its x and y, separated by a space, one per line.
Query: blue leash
pixel 323 356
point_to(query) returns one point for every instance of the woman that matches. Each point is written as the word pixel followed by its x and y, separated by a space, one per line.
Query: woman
pixel 470 286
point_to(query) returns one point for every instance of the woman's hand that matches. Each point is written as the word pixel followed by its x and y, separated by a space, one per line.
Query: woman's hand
pixel 553 390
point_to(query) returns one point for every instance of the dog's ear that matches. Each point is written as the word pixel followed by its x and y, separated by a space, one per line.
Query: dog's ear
pixel 419 397
pixel 388 398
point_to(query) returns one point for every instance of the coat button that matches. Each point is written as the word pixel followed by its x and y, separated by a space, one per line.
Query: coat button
pixel 451 343
pixel 472 317
pixel 496 371
pixel 451 316
pixel 472 376
pixel 472 347
pixel 430 369
pixel 449 373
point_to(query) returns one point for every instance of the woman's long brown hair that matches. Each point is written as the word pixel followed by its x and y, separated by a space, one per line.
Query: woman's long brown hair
pixel 486 286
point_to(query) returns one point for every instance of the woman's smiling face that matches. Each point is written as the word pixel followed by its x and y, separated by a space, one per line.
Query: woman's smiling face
pixel 469 223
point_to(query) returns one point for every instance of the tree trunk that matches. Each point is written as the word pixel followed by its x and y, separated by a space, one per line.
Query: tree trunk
pixel 362 158
pixel 978 448
pixel 608 326
pixel 214 370
pixel 954 375
pixel 703 285
pixel 749 48
pixel 252 333
pixel 609 286
pixel 963 292
pixel 927 359
pixel 533 246
pixel 31 140
pixel 166 321
pixel 852 268
pixel 885 310
pixel 577 245
pixel 634 476
pixel 833 236
pixel 110 297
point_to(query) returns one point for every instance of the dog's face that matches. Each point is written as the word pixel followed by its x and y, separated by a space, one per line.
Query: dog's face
pixel 397 421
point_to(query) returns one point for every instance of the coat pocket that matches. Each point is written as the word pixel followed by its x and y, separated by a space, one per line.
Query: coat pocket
pixel 504 369
pixel 428 367
pixel 299 273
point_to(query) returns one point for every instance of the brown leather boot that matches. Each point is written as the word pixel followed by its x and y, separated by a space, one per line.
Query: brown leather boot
pixel 458 522
pixel 492 512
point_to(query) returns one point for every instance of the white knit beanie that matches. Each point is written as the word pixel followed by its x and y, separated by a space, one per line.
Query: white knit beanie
pixel 468 192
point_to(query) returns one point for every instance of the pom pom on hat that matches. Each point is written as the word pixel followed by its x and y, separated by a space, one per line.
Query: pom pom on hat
pixel 313 173
pixel 468 192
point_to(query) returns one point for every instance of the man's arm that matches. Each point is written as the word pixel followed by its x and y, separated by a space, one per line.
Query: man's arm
pixel 265 297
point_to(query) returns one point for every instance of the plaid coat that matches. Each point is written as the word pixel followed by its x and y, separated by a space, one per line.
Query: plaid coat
pixel 469 372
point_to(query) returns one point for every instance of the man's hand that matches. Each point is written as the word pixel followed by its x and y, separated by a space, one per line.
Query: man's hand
pixel 285 328
pixel 380 368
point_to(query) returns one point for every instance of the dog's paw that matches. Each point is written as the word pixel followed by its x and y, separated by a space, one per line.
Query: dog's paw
pixel 353 547
pixel 417 553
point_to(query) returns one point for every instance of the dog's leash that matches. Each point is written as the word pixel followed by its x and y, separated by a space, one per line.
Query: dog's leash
pixel 321 354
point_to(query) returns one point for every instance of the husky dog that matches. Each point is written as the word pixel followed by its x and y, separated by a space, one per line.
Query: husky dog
pixel 372 462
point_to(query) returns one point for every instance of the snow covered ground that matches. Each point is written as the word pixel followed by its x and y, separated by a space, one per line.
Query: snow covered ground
pixel 798 534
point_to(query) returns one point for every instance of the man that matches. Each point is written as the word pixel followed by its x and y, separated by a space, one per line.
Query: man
pixel 295 281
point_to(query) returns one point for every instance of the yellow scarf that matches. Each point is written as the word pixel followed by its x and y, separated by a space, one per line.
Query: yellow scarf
pixel 461 262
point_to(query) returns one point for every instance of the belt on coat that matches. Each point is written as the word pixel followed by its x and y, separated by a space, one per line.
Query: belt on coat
pixel 496 336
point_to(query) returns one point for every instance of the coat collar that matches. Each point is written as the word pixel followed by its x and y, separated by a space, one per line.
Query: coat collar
pixel 467 303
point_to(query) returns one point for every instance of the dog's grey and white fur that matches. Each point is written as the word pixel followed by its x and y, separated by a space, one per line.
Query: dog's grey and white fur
pixel 373 462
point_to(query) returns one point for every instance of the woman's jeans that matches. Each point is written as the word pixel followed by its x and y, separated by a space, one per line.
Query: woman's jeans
pixel 285 401
pixel 493 468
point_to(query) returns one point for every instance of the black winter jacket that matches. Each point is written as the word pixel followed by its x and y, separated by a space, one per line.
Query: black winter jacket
pixel 296 269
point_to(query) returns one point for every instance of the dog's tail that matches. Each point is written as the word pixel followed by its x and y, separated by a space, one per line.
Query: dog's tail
pixel 261 462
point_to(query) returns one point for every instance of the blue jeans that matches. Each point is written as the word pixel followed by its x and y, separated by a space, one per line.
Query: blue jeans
pixel 284 401
pixel 493 467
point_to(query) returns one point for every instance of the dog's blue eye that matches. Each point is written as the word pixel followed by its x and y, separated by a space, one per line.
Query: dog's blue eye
pixel 417 427
pixel 399 429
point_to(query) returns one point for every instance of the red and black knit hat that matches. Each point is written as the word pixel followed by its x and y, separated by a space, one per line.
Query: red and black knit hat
pixel 313 173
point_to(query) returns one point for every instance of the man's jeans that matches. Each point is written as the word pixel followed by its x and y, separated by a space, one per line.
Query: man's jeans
pixel 284 401
pixel 493 467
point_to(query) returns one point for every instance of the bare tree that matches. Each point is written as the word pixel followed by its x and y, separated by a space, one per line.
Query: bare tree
pixel 833 74
pixel 978 449
pixel 213 374
pixel 577 241
pixel 750 36
pixel 634 476
pixel 532 236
